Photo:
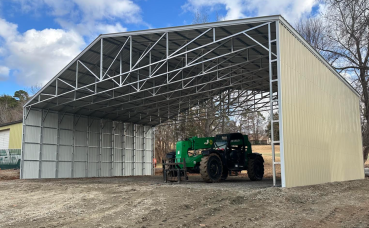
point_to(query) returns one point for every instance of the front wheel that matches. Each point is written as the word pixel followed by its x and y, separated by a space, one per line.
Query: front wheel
pixel 255 169
pixel 211 168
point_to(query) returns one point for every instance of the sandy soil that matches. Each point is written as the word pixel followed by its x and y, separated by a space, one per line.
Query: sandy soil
pixel 9 174
pixel 148 202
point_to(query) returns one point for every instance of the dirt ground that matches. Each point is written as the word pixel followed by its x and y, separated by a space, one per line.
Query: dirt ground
pixel 148 202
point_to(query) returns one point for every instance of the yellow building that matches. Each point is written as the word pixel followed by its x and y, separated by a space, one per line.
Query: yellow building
pixel 11 135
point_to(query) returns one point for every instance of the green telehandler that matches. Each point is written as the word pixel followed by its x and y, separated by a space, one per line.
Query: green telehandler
pixel 214 158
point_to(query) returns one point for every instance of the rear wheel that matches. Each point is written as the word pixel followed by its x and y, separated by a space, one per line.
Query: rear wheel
pixel 255 169
pixel 211 168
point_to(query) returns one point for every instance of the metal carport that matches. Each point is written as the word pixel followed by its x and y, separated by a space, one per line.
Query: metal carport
pixel 96 117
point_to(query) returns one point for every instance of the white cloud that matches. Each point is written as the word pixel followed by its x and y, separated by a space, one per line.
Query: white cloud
pixel 97 10
pixel 292 10
pixel 84 16
pixel 4 73
pixel 36 56
pixel 93 29
pixel 107 28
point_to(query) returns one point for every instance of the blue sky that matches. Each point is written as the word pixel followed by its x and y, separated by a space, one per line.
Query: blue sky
pixel 39 37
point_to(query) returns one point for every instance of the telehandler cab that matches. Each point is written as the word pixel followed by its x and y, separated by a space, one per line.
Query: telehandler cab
pixel 214 158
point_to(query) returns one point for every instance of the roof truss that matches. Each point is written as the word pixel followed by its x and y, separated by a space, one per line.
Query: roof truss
pixel 150 78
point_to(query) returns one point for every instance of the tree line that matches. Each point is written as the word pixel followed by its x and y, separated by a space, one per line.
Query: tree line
pixel 11 107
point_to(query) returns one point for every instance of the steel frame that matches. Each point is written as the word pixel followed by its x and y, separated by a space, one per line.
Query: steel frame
pixel 221 72
pixel 150 88
pixel 139 81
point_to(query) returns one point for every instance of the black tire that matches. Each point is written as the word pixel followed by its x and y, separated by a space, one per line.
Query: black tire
pixel 255 169
pixel 211 168
pixel 224 174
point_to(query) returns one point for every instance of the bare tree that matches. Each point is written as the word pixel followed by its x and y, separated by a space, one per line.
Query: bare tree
pixel 341 35
pixel 200 17
pixel 34 89
pixel 252 124
pixel 313 31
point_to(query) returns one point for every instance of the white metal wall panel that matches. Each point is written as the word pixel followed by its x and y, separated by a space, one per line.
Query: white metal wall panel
pixel 66 122
pixel 148 168
pixel 49 136
pixel 105 169
pixel 30 169
pixel 33 117
pixel 31 144
pixel 117 169
pixel 80 154
pixel 93 169
pixel 66 137
pixel 106 140
pixel 138 169
pixel 48 169
pixel 107 126
pixel 128 169
pixel 95 125
pixel 65 153
pixel 128 155
pixel 93 154
pixel 31 151
pixel 80 123
pixel 80 138
pixel 58 145
pixel 48 152
pixel 79 169
pixel 94 139
pixel 32 134
pixel 51 120
pixel 65 169
pixel 118 155
pixel 118 166
pixel 106 155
